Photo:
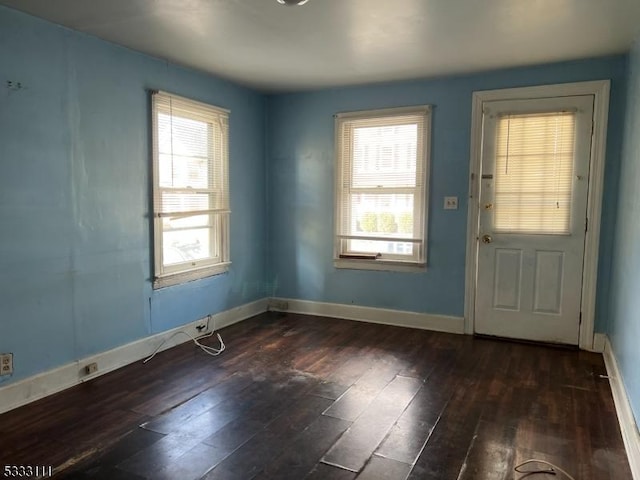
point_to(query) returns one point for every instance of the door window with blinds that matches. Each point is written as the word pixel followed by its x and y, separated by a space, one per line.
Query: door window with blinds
pixel 190 189
pixel 534 173
pixel 381 168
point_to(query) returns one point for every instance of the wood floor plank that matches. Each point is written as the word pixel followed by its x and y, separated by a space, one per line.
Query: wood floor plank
pixel 444 453
pixel 358 397
pixel 171 420
pixel 113 473
pixel 73 475
pixel 357 445
pixel 194 464
pixel 134 441
pixel 491 453
pixel 260 397
pixel 163 399
pixel 256 410
pixel 98 431
pixel 159 455
pixel 261 449
pixel 237 432
pixel 309 447
pixel 345 375
pixel 328 472
pixel 208 454
pixel 410 433
pixel 380 468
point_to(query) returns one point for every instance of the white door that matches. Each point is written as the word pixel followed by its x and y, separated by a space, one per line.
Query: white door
pixel 532 221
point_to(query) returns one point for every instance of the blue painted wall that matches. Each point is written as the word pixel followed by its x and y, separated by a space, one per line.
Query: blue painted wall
pixel 75 258
pixel 300 165
pixel 624 323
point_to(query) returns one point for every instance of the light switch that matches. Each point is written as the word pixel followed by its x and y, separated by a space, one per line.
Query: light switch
pixel 450 203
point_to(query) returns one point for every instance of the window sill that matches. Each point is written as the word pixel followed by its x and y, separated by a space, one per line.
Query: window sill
pixel 171 279
pixel 382 265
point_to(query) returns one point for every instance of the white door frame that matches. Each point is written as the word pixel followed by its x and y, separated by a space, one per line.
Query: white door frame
pixel 600 90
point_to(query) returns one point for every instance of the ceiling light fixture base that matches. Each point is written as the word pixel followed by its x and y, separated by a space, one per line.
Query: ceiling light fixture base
pixel 292 2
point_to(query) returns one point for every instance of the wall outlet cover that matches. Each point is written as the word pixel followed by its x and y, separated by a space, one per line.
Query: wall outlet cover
pixel 450 203
pixel 278 305
pixel 91 368
pixel 6 363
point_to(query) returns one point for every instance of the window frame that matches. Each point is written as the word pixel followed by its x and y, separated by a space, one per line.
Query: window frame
pixel 349 120
pixel 217 120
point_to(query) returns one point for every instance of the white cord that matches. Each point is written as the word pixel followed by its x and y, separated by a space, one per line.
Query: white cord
pixel 205 348
pixel 551 471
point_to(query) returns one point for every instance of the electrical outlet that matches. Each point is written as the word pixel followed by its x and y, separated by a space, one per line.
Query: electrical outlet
pixel 202 326
pixel 91 368
pixel 450 203
pixel 6 363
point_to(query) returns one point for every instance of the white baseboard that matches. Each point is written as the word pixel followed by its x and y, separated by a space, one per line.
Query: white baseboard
pixel 628 426
pixel 38 386
pixel 399 318
pixel 599 342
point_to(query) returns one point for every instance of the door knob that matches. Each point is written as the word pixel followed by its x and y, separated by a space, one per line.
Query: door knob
pixel 487 239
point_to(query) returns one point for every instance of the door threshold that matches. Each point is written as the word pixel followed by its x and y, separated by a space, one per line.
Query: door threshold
pixel 562 346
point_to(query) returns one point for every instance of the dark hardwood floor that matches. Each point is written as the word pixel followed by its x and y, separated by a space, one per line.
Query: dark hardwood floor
pixel 300 397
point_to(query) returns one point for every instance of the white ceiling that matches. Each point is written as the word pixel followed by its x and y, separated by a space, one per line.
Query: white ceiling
pixel 263 44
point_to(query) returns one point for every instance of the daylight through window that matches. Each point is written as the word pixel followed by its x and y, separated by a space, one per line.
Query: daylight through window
pixel 534 173
pixel 380 197
pixel 191 193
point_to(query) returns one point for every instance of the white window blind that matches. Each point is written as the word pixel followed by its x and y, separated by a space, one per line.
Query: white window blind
pixel 380 197
pixel 534 173
pixel 191 191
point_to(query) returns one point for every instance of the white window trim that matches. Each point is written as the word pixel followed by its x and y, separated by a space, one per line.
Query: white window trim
pixel 203 268
pixel 388 264
pixel 382 265
pixel 188 276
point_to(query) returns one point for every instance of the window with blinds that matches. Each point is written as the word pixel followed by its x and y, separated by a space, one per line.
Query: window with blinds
pixel 534 173
pixel 190 189
pixel 381 167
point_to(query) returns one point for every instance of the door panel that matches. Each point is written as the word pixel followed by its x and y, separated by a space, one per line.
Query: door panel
pixel 533 200
pixel 508 267
pixel 549 275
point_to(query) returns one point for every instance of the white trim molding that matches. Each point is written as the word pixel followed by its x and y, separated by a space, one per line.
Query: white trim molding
pixel 628 426
pixel 47 383
pixel 599 342
pixel 600 91
pixel 398 318
pixel 346 255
